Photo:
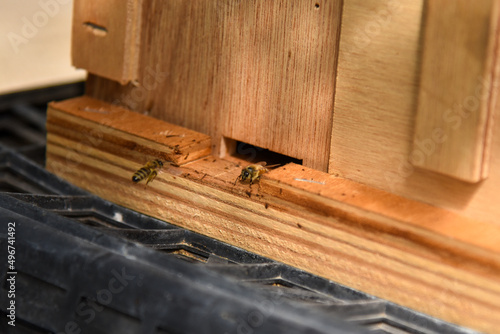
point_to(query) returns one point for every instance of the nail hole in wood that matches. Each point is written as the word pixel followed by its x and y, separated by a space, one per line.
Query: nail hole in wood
pixel 96 29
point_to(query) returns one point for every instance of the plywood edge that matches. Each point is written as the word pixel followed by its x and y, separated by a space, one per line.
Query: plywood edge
pixel 92 122
pixel 408 252
pixel 492 76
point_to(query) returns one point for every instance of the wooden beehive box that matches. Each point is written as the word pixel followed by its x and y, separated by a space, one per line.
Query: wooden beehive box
pixel 385 107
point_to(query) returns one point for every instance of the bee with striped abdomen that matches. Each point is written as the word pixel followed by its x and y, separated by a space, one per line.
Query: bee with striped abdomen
pixel 253 172
pixel 148 171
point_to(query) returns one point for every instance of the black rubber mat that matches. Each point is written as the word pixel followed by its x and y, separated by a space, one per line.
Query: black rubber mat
pixel 85 265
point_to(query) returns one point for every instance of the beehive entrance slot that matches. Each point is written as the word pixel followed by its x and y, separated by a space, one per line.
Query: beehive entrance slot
pixel 254 154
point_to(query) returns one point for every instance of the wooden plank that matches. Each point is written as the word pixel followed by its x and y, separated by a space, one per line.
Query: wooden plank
pixel 375 105
pixel 454 116
pixel 409 252
pixel 106 38
pixel 124 133
pixel 262 72
pixel 281 77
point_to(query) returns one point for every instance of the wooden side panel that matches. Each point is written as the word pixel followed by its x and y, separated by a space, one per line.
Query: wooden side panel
pixel 454 116
pixel 375 107
pixel 106 37
pixel 262 72
pixel 409 252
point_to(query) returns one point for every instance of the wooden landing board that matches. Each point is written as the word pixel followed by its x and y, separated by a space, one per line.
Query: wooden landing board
pixel 453 125
pixel 412 253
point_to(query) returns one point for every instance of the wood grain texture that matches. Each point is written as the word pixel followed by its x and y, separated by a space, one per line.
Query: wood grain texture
pixel 454 116
pixel 108 128
pixel 262 72
pixel 375 107
pixel 409 252
pixel 106 38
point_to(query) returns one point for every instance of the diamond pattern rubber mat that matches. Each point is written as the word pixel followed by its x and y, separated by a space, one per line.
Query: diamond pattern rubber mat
pixel 85 265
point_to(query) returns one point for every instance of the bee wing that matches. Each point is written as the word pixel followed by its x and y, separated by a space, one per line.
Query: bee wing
pixel 273 166
pixel 262 163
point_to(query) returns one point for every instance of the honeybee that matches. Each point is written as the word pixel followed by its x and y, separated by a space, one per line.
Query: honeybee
pixel 253 172
pixel 148 171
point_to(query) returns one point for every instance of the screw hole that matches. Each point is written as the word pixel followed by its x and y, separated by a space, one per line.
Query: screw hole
pixel 96 29
pixel 316 5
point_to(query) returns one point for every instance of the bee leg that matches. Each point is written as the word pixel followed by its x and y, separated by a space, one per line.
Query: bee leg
pixel 252 181
pixel 151 177
pixel 257 178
